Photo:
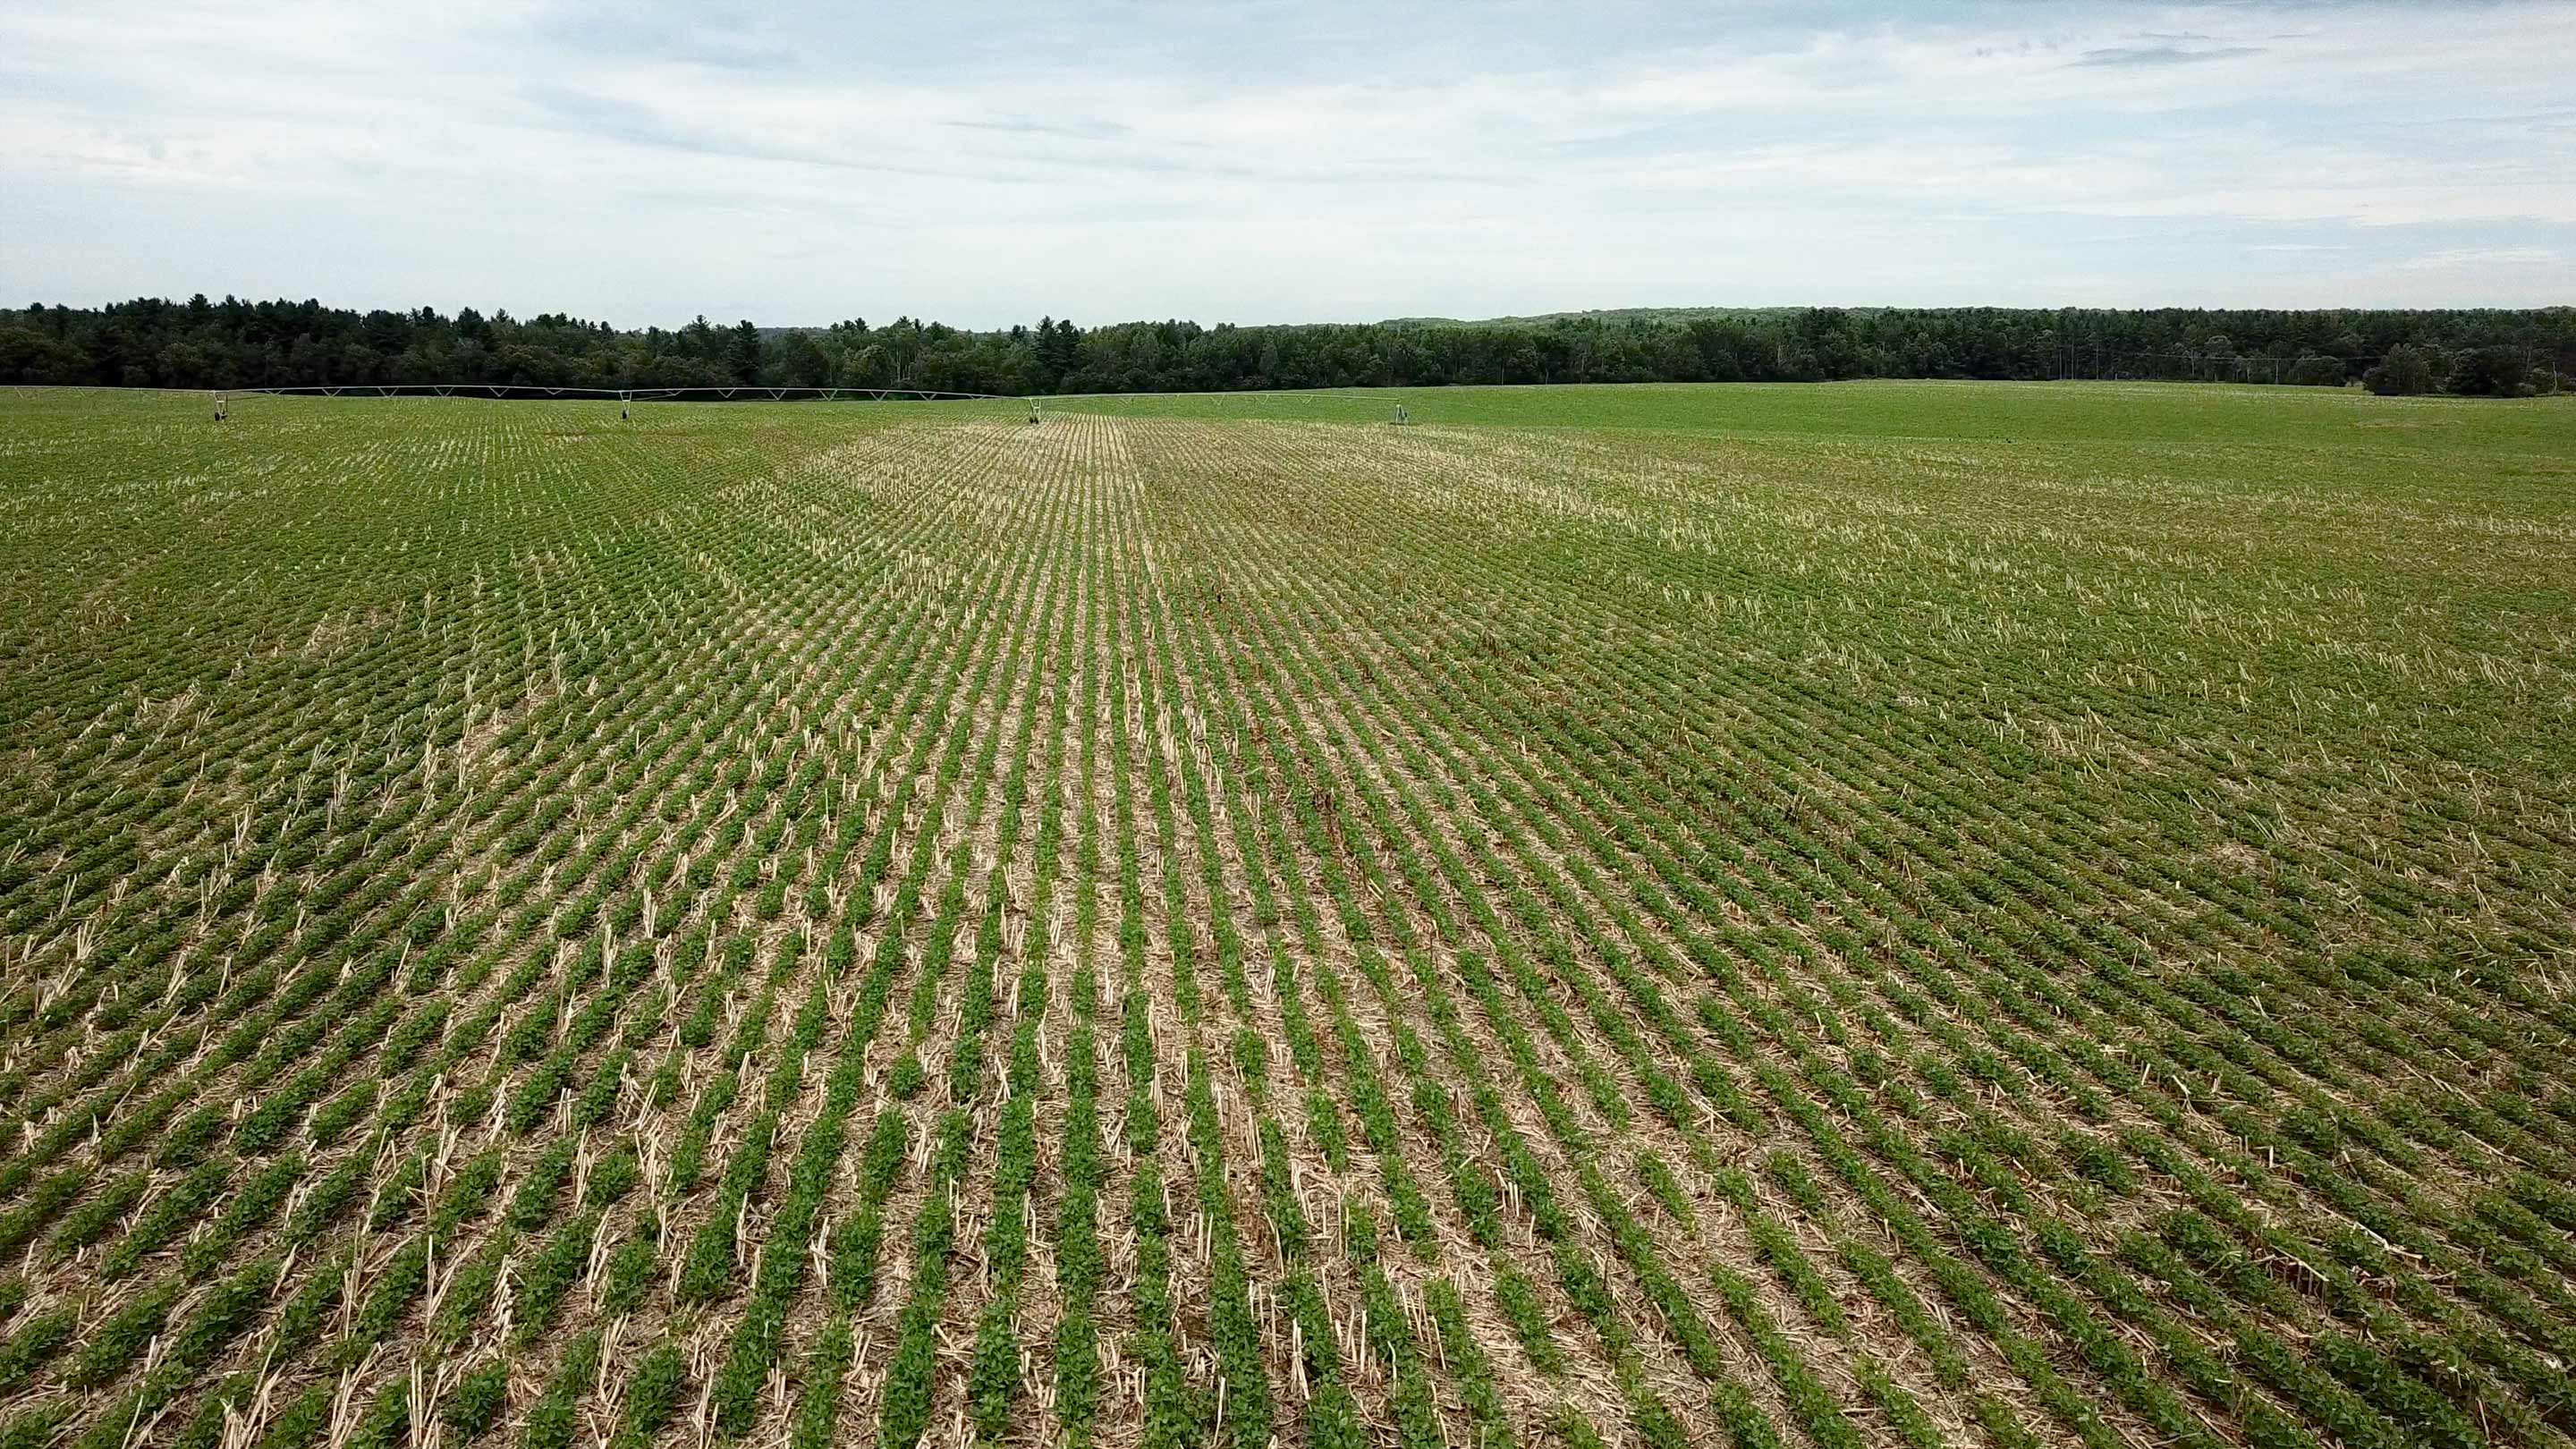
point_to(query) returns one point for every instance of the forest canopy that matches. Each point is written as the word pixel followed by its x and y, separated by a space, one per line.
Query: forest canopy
pixel 151 342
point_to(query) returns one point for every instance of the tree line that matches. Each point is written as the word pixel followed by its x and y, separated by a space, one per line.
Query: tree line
pixel 152 342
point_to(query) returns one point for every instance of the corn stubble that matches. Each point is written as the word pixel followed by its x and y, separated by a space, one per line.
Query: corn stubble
pixel 805 926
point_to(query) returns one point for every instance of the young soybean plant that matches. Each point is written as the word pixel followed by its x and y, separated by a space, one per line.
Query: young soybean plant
pixel 1709 915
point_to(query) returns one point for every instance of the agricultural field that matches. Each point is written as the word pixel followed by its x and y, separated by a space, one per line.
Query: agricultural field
pixel 1907 914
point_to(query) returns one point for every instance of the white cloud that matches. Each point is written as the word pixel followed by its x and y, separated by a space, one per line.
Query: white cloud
pixel 1272 162
pixel 2457 258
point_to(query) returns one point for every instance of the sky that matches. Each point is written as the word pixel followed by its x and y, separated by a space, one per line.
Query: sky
pixel 1256 162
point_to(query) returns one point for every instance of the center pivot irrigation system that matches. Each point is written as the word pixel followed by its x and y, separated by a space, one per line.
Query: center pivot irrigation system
pixel 742 392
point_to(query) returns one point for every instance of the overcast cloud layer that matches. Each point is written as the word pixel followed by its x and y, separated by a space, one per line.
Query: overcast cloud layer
pixel 1263 163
